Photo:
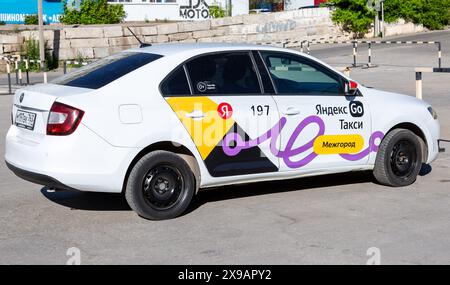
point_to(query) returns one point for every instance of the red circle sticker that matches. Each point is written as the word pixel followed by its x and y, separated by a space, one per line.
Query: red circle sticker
pixel 225 110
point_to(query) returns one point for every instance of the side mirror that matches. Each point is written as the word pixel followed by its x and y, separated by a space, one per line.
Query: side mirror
pixel 351 87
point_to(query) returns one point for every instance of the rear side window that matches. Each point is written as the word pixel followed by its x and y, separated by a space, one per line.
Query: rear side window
pixel 223 73
pixel 176 83
pixel 106 70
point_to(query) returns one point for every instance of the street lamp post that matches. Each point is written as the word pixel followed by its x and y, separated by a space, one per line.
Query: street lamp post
pixel 41 37
pixel 382 18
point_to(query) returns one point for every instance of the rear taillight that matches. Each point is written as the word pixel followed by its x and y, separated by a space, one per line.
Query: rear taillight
pixel 63 120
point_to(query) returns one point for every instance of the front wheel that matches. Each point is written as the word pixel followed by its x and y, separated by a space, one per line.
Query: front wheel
pixel 399 159
pixel 160 186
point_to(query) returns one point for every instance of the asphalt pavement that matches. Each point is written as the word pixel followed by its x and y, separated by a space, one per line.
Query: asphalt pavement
pixel 333 219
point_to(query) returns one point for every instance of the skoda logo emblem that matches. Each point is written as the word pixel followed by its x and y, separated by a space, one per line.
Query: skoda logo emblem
pixel 21 97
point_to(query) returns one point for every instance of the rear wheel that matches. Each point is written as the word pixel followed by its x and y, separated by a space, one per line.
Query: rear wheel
pixel 160 186
pixel 399 159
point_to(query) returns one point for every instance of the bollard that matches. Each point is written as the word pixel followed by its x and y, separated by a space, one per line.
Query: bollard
pixel 419 85
pixel 439 55
pixel 65 67
pixel 347 71
pixel 42 64
pixel 301 46
pixel 8 71
pixel 27 70
pixel 16 67
pixel 355 52
pixel 369 52
pixel 20 77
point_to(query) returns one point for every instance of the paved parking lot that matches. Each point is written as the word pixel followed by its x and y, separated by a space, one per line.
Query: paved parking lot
pixel 321 220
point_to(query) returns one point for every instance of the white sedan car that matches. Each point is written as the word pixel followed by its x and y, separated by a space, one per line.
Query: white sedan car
pixel 161 122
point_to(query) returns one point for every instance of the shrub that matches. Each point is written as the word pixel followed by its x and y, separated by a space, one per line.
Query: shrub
pixel 79 59
pixel 217 11
pixel 93 12
pixel 353 15
pixel 433 14
pixel 31 51
pixel 31 19
pixel 2 23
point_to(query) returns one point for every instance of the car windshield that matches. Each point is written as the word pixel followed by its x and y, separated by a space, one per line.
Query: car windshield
pixel 106 70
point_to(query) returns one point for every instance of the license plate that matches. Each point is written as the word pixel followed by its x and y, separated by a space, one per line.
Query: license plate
pixel 25 119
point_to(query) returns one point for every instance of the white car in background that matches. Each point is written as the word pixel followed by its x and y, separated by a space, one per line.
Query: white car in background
pixel 161 122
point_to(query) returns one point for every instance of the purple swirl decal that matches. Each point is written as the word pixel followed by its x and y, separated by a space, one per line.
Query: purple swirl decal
pixel 233 143
pixel 373 147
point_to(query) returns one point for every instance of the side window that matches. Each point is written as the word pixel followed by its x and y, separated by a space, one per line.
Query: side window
pixel 176 83
pixel 223 73
pixel 295 75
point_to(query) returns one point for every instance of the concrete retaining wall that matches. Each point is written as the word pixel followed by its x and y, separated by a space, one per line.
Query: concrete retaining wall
pixel 89 42
pixel 99 41
pixel 401 27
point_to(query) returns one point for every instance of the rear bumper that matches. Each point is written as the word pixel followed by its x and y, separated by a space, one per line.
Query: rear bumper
pixel 82 161
pixel 37 178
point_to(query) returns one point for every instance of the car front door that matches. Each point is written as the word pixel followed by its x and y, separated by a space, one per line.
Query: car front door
pixel 321 127
pixel 226 108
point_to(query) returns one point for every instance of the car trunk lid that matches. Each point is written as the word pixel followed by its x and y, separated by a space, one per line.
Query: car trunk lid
pixel 31 107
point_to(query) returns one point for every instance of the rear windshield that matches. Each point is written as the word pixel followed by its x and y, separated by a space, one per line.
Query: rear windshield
pixel 106 70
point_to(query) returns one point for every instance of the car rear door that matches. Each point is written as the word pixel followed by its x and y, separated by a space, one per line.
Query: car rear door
pixel 224 105
pixel 322 127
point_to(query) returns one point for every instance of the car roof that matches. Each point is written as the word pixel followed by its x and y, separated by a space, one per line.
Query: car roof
pixel 167 49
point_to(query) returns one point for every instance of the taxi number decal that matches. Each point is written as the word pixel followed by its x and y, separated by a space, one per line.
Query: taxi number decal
pixel 260 110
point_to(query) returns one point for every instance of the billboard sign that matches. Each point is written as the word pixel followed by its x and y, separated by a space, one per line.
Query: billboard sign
pixel 14 11
pixel 195 11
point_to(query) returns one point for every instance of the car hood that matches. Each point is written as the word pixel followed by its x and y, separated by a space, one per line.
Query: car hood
pixel 390 97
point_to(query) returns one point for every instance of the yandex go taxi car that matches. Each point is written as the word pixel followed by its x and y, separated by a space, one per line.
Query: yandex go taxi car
pixel 161 122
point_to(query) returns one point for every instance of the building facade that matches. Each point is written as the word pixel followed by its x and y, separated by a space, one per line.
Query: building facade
pixel 141 10
pixel 14 11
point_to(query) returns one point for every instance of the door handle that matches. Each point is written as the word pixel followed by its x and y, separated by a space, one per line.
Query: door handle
pixel 196 114
pixel 291 111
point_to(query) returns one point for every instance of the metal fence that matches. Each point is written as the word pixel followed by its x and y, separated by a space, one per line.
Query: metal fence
pixel 306 45
pixel 19 68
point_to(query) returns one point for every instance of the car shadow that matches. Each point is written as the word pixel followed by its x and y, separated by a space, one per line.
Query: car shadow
pixel 88 201
pixel 92 201
pixel 279 186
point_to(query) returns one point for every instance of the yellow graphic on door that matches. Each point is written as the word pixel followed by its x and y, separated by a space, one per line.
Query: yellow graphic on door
pixel 338 144
pixel 200 118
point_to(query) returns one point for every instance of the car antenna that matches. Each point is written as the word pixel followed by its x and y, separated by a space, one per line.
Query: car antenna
pixel 142 44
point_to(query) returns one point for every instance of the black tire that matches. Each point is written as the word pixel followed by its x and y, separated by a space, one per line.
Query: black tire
pixel 399 159
pixel 160 186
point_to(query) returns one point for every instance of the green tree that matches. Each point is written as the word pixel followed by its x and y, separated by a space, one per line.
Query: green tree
pixel 353 15
pixel 31 19
pixel 216 11
pixel 433 14
pixel 93 12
